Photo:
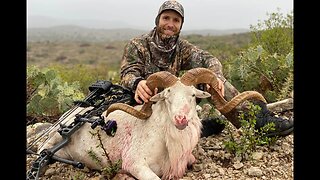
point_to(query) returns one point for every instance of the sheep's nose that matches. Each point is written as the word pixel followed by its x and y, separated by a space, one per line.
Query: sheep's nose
pixel 181 120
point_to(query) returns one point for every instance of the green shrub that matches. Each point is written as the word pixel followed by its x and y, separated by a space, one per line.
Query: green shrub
pixel 85 75
pixel 245 144
pixel 275 34
pixel 267 65
pixel 47 94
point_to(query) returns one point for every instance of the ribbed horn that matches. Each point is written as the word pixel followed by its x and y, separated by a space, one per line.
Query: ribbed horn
pixel 202 75
pixel 128 109
pixel 238 99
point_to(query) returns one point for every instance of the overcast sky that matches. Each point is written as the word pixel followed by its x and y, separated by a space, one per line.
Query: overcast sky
pixel 199 14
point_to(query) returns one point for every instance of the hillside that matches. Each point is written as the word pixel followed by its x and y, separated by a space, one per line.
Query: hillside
pixel 45 47
pixel 79 34
pixel 82 34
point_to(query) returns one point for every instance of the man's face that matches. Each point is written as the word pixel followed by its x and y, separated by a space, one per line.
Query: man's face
pixel 169 23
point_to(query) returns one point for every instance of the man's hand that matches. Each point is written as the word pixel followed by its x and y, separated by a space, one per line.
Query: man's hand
pixel 143 92
pixel 220 87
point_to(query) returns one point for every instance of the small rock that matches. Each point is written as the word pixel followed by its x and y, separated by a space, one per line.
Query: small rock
pixel 255 171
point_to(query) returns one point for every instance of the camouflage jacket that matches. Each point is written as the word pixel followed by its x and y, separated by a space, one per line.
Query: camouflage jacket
pixel 141 58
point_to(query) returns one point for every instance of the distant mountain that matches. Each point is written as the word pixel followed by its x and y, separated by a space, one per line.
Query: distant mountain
pixel 215 32
pixel 80 34
pixel 42 28
pixel 45 22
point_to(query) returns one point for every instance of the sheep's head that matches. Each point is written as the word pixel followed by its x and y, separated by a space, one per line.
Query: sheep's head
pixel 180 102
pixel 160 80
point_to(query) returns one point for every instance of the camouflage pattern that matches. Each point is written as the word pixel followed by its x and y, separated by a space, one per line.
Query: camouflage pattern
pixel 141 59
pixel 170 5
pixel 173 5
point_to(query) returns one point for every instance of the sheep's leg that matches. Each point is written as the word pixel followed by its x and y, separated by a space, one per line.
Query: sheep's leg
pixel 142 172
pixel 55 139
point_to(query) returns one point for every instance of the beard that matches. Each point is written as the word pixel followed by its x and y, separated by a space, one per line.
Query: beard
pixel 163 36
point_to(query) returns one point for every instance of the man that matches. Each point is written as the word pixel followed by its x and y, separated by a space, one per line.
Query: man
pixel 163 50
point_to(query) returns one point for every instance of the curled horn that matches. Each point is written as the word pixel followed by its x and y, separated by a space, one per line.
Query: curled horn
pixel 238 99
pixel 162 79
pixel 202 75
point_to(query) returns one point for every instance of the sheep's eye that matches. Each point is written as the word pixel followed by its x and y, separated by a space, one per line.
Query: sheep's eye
pixel 193 95
pixel 168 90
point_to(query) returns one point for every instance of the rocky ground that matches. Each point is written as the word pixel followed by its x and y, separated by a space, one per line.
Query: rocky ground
pixel 273 162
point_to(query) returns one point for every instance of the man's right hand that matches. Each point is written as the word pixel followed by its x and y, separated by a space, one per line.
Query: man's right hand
pixel 143 92
pixel 220 87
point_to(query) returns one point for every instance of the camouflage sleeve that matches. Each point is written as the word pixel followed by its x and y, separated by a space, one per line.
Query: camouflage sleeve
pixel 132 66
pixel 196 57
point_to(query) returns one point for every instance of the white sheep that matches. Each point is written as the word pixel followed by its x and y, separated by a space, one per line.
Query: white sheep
pixel 153 141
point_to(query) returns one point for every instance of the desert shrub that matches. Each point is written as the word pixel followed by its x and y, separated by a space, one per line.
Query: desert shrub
pixel 267 65
pixel 47 94
pixel 275 34
pixel 85 75
pixel 250 139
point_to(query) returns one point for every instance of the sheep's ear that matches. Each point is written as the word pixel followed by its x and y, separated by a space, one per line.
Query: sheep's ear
pixel 157 97
pixel 202 94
